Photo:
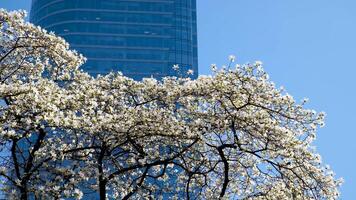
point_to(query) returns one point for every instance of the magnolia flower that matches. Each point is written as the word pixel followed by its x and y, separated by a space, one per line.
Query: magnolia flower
pixel 190 72
pixel 258 63
pixel 78 194
pixel 175 67
pixel 3 170
pixel 305 100
pixel 213 67
pixel 232 58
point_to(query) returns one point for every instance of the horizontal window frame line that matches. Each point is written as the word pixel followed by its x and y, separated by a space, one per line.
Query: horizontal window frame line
pixel 127 60
pixel 102 10
pixel 153 31
pixel 44 6
pixel 146 1
pixel 131 73
pixel 118 47
pixel 105 22
pixel 113 34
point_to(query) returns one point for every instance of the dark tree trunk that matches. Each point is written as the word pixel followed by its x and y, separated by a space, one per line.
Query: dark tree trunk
pixel 23 191
pixel 102 189
pixel 102 180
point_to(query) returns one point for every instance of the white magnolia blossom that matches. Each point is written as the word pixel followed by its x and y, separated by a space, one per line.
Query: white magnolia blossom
pixel 232 135
pixel 213 67
pixel 232 58
pixel 190 72
pixel 175 67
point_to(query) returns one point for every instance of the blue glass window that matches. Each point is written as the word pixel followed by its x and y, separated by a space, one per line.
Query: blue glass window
pixel 141 38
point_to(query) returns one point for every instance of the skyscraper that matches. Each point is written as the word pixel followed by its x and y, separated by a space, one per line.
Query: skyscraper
pixel 141 38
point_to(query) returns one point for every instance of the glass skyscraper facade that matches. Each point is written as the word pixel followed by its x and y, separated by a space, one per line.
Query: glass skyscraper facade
pixel 140 38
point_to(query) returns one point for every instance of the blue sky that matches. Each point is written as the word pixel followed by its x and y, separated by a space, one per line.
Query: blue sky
pixel 306 46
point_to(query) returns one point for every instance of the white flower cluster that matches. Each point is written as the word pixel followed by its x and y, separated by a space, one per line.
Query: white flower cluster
pixel 232 135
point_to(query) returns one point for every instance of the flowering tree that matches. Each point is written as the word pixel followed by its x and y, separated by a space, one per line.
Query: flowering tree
pixel 33 63
pixel 232 135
